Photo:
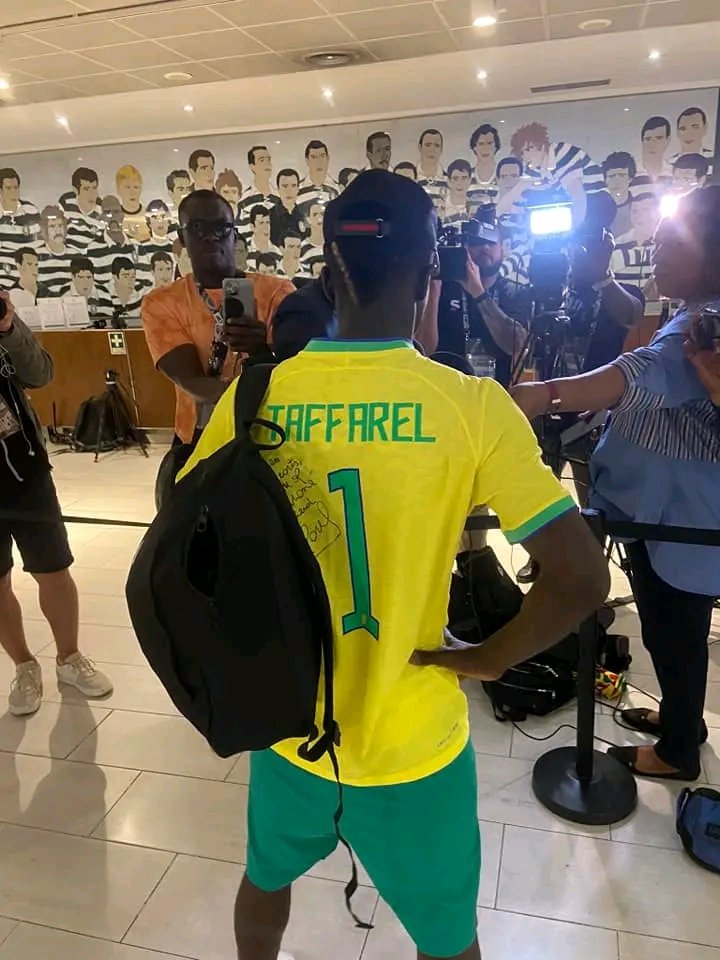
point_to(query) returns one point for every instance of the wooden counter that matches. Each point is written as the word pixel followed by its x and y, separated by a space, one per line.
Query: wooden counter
pixel 81 358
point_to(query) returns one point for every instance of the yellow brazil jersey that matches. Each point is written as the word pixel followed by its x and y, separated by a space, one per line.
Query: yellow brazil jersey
pixel 386 454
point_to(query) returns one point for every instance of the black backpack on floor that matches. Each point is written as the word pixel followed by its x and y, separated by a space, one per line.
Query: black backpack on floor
pixel 228 601
pixel 483 598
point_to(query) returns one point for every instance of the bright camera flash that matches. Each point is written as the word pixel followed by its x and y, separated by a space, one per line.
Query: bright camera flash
pixel 551 221
pixel 669 205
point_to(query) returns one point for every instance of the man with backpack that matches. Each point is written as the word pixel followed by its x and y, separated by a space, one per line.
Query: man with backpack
pixel 386 454
pixel 30 517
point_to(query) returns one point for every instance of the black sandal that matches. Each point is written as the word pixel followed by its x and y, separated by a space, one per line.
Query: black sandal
pixel 627 756
pixel 637 719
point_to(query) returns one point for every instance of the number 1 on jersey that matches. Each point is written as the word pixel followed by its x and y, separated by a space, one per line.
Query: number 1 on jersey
pixel 347 482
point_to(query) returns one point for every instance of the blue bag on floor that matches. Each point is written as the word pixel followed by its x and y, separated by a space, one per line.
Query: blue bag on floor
pixel 698 824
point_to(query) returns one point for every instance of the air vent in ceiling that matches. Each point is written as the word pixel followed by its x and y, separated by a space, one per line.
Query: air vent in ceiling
pixel 561 87
pixel 331 58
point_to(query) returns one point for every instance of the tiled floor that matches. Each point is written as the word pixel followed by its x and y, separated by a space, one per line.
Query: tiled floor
pixel 122 837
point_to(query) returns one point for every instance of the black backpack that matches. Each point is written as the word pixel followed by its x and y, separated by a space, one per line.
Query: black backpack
pixel 93 428
pixel 228 601
pixel 483 598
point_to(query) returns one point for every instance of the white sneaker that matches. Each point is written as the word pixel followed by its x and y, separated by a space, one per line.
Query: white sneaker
pixel 26 689
pixel 80 672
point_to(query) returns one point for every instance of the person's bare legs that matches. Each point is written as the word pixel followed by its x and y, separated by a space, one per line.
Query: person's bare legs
pixel 472 953
pixel 260 921
pixel 12 633
pixel 60 606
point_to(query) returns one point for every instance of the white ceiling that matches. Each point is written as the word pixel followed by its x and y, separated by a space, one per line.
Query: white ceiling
pixel 62 49
pixel 377 88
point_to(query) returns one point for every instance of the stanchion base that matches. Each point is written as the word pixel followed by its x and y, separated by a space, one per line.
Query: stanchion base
pixel 610 796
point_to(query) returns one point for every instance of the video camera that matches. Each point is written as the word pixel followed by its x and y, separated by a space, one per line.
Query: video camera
pixel 550 227
pixel 455 238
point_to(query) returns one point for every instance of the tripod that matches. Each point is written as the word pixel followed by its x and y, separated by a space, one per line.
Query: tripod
pixel 115 412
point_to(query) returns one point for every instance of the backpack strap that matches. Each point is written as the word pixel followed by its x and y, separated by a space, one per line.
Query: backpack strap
pixel 251 388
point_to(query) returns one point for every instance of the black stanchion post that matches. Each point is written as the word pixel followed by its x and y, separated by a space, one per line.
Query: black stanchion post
pixel 579 783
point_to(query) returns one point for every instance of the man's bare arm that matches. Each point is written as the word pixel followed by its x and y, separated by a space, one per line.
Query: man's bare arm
pixel 507 333
pixel 182 366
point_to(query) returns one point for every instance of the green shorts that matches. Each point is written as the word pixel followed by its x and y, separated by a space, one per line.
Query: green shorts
pixel 419 842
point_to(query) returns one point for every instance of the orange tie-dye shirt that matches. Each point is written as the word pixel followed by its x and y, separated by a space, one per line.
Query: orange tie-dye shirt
pixel 177 315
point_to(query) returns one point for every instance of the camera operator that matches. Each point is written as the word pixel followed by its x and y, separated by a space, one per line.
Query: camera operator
pixel 659 459
pixel 600 312
pixel 483 305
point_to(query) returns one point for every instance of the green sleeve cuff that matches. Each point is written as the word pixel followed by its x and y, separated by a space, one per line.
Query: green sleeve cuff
pixel 542 519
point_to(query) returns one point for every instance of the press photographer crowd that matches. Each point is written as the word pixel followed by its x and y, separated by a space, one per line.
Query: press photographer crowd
pixel 332 438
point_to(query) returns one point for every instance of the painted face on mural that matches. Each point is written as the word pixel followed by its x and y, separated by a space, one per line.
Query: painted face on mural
pixel 431 147
pixel 162 274
pixel 28 271
pixel 84 283
pixel 288 187
pixel 10 193
pixel 380 152
pixel 130 189
pixel 644 216
pixel 87 196
pixel 181 188
pixel 204 173
pixel 618 182
pixel 114 217
pixel 262 167
pixel 125 284
pixel 691 131
pixel 317 163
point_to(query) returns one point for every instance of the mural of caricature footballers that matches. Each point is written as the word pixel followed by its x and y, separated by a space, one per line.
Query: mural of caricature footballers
pixel 260 242
pixel 291 251
pixel 690 170
pixel 162 267
pixel 19 225
pixel 128 183
pixel 114 243
pixel 631 259
pixel 229 187
pixel 54 254
pixel 82 284
pixel 125 292
pixel 430 174
pixel 286 216
pixel 82 209
pixel 485 146
pixel 313 248
pixel 179 185
pixel 261 191
pixel 317 184
pixel 619 171
pixel 378 150
pixel 406 169
pixel 26 289
pixel 692 129
pixel 655 142
pixel 559 163
pixel 157 215
pixel 456 201
pixel 202 167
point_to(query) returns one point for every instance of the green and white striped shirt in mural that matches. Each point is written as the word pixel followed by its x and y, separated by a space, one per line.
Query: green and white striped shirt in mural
pixel 54 270
pixel 82 228
pixel 630 261
pixel 310 254
pixel 102 255
pixel 481 193
pixel 146 251
pixel 110 305
pixel 436 186
pixel 250 198
pixel 18 228
pixel 311 192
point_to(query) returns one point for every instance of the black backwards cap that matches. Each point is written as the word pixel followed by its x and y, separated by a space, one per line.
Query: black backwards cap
pixel 382 207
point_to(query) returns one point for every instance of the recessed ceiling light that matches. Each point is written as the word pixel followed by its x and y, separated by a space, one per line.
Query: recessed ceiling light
pixel 277 141
pixel 328 93
pixel 188 108
pixel 502 121
pixel 62 121
pixel 596 23
pixel 176 150
pixel 654 55
pixel 4 83
pixel 177 75
pixel 482 75
pixel 331 58
pixel 486 20
pixel 626 109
